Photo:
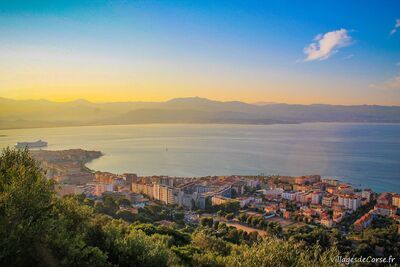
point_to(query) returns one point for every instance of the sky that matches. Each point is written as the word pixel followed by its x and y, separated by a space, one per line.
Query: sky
pixel 334 52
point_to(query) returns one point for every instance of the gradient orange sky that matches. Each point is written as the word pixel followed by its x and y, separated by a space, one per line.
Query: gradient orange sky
pixel 155 51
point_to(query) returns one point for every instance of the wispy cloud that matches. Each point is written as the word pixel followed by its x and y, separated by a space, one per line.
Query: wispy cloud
pixel 392 84
pixel 396 27
pixel 325 45
pixel 348 57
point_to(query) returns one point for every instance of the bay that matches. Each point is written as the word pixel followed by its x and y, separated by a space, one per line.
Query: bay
pixel 366 155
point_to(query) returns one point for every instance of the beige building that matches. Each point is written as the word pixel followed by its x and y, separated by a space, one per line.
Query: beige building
pixel 396 200
pixel 219 200
pixel 327 201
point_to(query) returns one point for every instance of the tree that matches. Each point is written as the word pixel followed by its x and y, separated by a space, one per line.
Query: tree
pixel 125 215
pixel 206 221
pixel 179 216
pixel 25 208
pixel 123 202
pixel 274 252
pixel 210 243
pixel 242 217
pixel 36 228
pixel 229 216
pixel 110 207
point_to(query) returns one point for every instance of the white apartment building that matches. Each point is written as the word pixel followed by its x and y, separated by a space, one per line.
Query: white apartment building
pixel 351 201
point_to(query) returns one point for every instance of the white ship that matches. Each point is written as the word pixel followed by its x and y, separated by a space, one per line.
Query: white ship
pixel 37 144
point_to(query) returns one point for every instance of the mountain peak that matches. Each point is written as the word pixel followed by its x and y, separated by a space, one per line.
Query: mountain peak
pixel 80 101
pixel 194 99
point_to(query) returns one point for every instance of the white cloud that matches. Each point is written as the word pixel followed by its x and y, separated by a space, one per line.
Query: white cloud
pixel 325 45
pixel 396 26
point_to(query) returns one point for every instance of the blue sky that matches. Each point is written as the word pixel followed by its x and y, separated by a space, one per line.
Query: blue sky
pixel 226 50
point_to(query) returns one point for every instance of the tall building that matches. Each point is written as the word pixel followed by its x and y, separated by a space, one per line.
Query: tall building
pixel 316 197
pixel 350 201
pixel 367 194
pixel 164 193
pixel 396 200
pixel 100 188
pixel 327 201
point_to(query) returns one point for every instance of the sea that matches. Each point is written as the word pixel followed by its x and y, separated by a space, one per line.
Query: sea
pixel 363 154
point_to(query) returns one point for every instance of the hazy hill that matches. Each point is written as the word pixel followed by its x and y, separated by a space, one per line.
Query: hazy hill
pixel 44 113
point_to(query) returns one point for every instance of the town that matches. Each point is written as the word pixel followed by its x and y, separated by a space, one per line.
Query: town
pixel 244 200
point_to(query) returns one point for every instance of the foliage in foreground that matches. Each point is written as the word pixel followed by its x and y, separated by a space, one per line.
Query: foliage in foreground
pixel 39 229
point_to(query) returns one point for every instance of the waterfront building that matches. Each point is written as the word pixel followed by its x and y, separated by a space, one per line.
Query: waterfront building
pixel 367 194
pixel 396 200
pixel 332 182
pixel 384 199
pixel 309 179
pixel 385 210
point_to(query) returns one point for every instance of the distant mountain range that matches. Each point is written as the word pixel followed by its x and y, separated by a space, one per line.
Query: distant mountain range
pixel 44 113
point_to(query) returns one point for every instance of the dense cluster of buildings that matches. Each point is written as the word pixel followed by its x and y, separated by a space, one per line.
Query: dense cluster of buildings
pixel 325 201
pixel 308 199
pixel 67 166
pixel 193 192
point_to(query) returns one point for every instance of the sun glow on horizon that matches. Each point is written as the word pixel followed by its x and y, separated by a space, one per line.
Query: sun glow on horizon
pixel 142 51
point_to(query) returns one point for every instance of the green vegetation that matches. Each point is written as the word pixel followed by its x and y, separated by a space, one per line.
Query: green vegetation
pixel 350 219
pixel 272 228
pixel 39 229
pixel 229 207
pixel 382 233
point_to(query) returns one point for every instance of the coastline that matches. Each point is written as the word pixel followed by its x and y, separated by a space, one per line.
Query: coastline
pixel 191 123
pixel 354 153
pixel 93 155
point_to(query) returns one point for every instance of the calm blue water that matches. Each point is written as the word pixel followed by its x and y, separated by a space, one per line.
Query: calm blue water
pixel 362 154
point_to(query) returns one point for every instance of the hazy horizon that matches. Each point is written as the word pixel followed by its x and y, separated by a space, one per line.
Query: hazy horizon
pixel 260 102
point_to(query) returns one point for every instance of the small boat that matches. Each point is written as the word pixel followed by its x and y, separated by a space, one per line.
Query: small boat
pixel 37 144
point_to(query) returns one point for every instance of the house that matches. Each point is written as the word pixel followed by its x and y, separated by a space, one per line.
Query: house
pixel 384 199
pixel 364 221
pixel 287 214
pixel 385 210
pixel 271 208
pixel 326 220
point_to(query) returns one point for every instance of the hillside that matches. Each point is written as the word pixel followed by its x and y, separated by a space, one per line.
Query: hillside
pixel 43 113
